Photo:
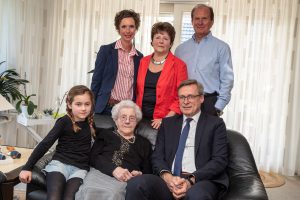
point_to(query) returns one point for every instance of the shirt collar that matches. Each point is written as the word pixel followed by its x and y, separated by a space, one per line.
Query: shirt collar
pixel 209 35
pixel 195 117
pixel 119 46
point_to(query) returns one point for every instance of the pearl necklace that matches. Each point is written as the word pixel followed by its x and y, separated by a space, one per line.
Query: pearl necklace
pixel 158 62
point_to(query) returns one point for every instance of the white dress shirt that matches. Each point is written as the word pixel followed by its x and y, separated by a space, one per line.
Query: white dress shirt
pixel 188 160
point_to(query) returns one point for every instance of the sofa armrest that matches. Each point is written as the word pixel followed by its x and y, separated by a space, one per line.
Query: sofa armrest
pixel 244 179
pixel 246 187
pixel 2 177
pixel 38 176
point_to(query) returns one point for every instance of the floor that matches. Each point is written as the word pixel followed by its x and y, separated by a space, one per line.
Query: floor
pixel 289 191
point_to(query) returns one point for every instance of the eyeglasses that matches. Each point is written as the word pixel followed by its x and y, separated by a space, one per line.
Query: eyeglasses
pixel 124 118
pixel 189 97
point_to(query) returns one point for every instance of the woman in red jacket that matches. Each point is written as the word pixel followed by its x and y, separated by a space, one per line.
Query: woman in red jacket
pixel 159 76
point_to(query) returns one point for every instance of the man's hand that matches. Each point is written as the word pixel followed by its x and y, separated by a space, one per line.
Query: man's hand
pixel 122 174
pixel 168 178
pixel 174 183
pixel 178 186
pixel 180 192
pixel 182 186
pixel 25 176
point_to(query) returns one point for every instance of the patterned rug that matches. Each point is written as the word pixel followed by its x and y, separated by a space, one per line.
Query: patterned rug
pixel 271 179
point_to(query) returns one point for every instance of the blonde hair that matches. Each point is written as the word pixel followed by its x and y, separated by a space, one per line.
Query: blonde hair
pixel 80 90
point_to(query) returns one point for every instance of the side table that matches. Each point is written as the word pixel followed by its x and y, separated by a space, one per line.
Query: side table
pixel 28 123
pixel 9 172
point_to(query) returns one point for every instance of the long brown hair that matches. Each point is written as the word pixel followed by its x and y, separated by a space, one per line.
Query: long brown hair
pixel 80 90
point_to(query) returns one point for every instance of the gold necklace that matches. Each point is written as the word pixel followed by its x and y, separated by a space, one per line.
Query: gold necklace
pixel 130 140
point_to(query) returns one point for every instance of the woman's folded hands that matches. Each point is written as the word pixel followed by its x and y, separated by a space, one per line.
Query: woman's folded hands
pixel 124 175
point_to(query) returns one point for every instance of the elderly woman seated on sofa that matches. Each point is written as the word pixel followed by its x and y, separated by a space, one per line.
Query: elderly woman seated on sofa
pixel 116 156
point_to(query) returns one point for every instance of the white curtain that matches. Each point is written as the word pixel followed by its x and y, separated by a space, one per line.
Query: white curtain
pixel 265 100
pixel 73 33
pixel 54 42
pixel 292 152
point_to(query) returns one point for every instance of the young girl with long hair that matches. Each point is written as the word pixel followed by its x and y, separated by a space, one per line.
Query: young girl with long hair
pixel 70 162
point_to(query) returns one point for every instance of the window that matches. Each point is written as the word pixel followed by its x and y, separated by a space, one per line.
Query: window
pixel 166 17
pixel 187 29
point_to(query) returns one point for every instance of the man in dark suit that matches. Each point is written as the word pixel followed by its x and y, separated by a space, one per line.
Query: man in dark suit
pixel 190 157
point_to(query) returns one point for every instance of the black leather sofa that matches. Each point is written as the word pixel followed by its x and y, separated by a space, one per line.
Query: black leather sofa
pixel 245 182
pixel 2 180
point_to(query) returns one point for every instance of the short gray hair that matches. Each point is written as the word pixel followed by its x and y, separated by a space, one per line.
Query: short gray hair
pixel 126 104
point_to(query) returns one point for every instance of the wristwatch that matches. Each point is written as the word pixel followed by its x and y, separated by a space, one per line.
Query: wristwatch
pixel 219 112
pixel 189 179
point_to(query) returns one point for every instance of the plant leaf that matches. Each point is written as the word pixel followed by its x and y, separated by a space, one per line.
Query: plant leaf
pixel 18 107
pixel 9 84
pixel 30 108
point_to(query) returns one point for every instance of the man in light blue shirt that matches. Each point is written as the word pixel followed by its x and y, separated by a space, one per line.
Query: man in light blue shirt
pixel 208 61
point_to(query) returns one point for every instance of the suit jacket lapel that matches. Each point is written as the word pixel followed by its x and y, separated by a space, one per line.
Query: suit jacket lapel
pixel 199 132
pixel 136 60
pixel 115 60
pixel 143 71
pixel 166 71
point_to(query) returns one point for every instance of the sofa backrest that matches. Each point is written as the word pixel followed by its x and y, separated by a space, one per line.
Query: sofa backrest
pixel 241 160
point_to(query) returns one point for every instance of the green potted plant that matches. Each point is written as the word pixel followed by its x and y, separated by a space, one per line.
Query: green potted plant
pixel 25 105
pixel 9 84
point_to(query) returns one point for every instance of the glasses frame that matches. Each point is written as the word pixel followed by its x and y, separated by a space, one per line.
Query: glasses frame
pixel 189 97
pixel 124 118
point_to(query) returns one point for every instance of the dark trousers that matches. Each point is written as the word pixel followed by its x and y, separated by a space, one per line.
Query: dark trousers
pixel 208 106
pixel 151 187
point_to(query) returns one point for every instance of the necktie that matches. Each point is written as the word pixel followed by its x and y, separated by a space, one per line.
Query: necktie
pixel 181 146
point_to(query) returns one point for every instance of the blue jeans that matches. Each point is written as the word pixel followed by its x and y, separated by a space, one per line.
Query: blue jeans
pixel 69 171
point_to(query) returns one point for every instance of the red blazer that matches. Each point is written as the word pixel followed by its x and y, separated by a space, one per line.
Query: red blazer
pixel 174 71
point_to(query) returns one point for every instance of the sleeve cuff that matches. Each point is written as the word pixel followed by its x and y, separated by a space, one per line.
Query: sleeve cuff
pixel 192 176
pixel 164 171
